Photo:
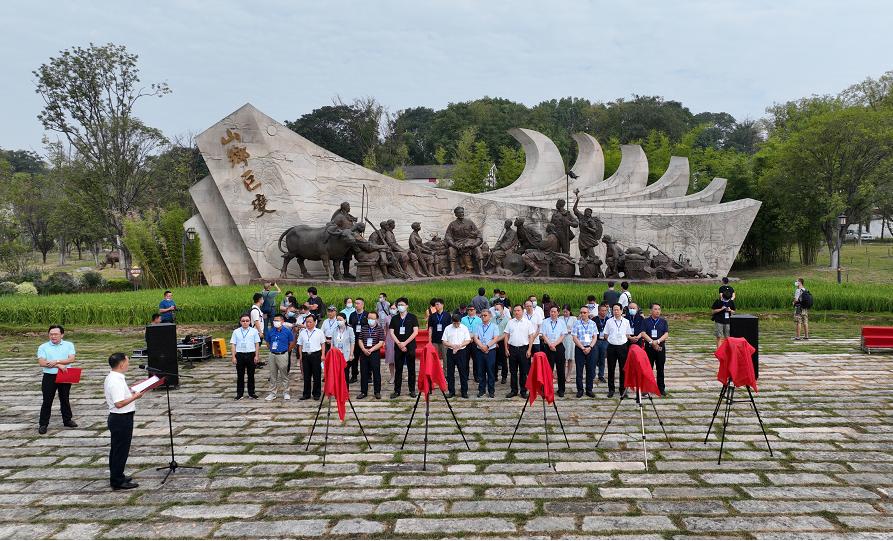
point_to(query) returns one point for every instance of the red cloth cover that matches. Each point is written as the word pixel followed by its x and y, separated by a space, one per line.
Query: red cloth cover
pixel 539 379
pixel 736 361
pixel 430 371
pixel 637 373
pixel 336 384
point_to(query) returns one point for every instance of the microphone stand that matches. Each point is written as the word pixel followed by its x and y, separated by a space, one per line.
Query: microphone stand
pixel 173 465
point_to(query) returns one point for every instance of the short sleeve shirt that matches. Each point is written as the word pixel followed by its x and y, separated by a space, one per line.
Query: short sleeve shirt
pixel 437 323
pixel 722 317
pixel 54 352
pixel 116 389
pixel 519 330
pixel 245 339
pixel 278 339
pixel 487 332
pixel 311 341
pixel 553 330
pixel 403 327
pixel 167 317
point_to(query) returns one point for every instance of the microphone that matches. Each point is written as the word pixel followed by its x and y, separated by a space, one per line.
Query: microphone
pixel 161 372
pixel 149 368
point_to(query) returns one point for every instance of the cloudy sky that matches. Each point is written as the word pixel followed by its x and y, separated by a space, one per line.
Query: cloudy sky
pixel 289 57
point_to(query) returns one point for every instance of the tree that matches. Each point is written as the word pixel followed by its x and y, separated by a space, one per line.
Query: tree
pixel 511 164
pixel 472 161
pixel 156 241
pixel 350 131
pixel 89 97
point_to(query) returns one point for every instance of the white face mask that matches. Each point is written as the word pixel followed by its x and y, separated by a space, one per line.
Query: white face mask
pixel 796 284
pixel 401 308
pixel 393 311
pixel 632 311
pixel 341 323
pixel 277 324
pixel 533 303
pixel 373 322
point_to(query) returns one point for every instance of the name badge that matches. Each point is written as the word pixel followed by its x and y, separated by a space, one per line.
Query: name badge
pixel 274 345
pixel 402 330
pixel 359 327
pixel 653 333
pixel 439 327
pixel 587 338
pixel 369 342
pixel 727 315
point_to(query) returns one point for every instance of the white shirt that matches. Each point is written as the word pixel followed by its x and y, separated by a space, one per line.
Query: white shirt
pixel 618 331
pixel 256 315
pixel 455 336
pixel 329 326
pixel 553 332
pixel 505 312
pixel 520 330
pixel 245 339
pixel 116 390
pixel 625 298
pixel 538 310
pixel 536 319
pixel 311 341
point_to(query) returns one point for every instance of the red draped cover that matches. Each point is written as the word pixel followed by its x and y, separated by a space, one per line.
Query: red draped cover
pixel 637 373
pixel 539 379
pixel 336 385
pixel 430 371
pixel 736 362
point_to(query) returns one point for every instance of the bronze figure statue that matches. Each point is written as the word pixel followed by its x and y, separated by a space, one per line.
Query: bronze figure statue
pixel 562 221
pixel 463 239
pixel 421 257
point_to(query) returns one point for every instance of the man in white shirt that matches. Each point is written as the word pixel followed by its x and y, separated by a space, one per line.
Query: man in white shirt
pixel 625 296
pixel 519 335
pixel 455 339
pixel 619 335
pixel 245 343
pixel 536 307
pixel 552 333
pixel 120 401
pixel 311 350
pixel 256 313
pixel 330 324
pixel 536 319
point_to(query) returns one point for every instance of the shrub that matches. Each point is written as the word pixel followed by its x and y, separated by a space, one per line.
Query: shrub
pixel 92 281
pixel 58 282
pixel 26 288
pixel 7 288
pixel 118 284
pixel 24 275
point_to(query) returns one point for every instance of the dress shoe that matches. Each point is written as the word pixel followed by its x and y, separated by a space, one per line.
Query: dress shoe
pixel 502 381
pixel 610 394
pixel 451 394
pixel 481 394
pixel 42 429
pixel 303 397
pixel 361 396
pixel 378 396
pixel 238 398
pixel 560 394
pixel 512 394
pixel 253 396
pixel 524 394
pixel 128 478
pixel 590 394
pixel 492 395
pixel 412 394
pixel 579 394
pixel 70 424
pixel 353 380
pixel 316 397
pixel 464 395
pixel 395 395
pixel 602 380
pixel 125 486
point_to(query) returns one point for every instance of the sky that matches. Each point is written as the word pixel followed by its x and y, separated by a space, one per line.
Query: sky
pixel 290 57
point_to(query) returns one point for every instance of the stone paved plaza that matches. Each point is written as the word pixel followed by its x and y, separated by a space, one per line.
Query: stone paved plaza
pixel 827 411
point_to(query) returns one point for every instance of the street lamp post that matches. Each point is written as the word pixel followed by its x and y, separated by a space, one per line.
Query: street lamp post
pixel 841 230
pixel 188 235
pixel 568 175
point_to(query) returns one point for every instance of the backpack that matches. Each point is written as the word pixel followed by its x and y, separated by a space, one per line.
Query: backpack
pixel 806 299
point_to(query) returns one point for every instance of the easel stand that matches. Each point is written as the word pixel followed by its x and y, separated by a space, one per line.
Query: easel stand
pixel 427 413
pixel 545 427
pixel 325 444
pixel 641 419
pixel 173 465
pixel 727 394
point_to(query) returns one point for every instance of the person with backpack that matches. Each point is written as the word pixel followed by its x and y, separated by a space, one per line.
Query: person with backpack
pixel 802 304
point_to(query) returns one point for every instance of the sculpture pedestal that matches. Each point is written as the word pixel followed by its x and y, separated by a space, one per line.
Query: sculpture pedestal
pixel 368 272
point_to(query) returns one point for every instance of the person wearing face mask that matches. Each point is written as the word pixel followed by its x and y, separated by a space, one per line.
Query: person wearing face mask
pixel 438 321
pixel 619 335
pixel 384 321
pixel 536 307
pixel 383 305
pixel 370 343
pixel 636 323
pixel 280 342
pixel 591 304
pixel 723 308
pixel 343 337
pixel 403 329
pixel 569 321
pixel 500 319
pixel 356 320
pixel 348 309
pixel 536 319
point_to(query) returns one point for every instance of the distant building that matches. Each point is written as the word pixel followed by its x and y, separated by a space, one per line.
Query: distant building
pixel 433 175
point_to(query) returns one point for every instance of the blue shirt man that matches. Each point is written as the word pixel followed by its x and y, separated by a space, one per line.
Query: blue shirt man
pixel 55 352
pixel 279 339
pixel 655 327
pixel 471 321
pixel 485 332
pixel 636 321
pixel 167 308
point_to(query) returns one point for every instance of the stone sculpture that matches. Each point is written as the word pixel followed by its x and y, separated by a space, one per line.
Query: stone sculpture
pixel 562 221
pixel 463 238
pixel 316 244
pixel 423 257
pixel 506 245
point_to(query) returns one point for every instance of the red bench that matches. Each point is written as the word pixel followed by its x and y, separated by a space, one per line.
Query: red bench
pixel 877 338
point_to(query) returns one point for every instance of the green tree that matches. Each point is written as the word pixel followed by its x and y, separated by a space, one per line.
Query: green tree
pixel 157 243
pixel 511 164
pixel 472 161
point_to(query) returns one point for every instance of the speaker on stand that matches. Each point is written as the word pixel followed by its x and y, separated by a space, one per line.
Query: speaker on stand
pixel 161 350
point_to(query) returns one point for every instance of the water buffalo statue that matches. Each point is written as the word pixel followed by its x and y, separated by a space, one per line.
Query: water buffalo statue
pixel 316 244
pixel 111 258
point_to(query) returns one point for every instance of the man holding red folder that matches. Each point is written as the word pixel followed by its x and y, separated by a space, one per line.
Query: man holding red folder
pixel 53 356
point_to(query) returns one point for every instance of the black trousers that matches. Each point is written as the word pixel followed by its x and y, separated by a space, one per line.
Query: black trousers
pixel 556 360
pixel 310 365
pixel 408 358
pixel 370 367
pixel 658 358
pixel 49 387
pixel 121 429
pixel 470 354
pixel 244 364
pixel 519 365
pixel 353 367
pixel 502 362
pixel 460 361
pixel 616 355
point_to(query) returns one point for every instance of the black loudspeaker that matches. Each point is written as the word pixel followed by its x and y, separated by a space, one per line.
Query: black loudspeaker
pixel 748 327
pixel 161 349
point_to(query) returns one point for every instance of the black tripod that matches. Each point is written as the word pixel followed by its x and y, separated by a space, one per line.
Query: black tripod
pixel 325 444
pixel 545 426
pixel 427 413
pixel 642 419
pixel 173 465
pixel 728 394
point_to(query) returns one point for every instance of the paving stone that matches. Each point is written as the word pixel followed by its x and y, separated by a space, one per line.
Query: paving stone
pixel 757 524
pixel 786 479
pixel 26 531
pixel 598 466
pixel 693 492
pixel 435 493
pixel 80 531
pixel 867 523
pixel 160 529
pixel 361 495
pixel 625 493
pixel 810 493
pixel 498 507
pixel 290 529
pixel 776 507
pixel 585 508
pixel 644 523
pixel 474 526
pixel 356 526
pixel 535 492
pixel 320 509
pixel 550 524
pixel 683 508
pixel 731 478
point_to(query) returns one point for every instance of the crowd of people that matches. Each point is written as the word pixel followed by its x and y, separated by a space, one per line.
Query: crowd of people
pixel 487 340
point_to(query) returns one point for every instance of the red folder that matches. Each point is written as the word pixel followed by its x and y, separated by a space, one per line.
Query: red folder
pixel 72 375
